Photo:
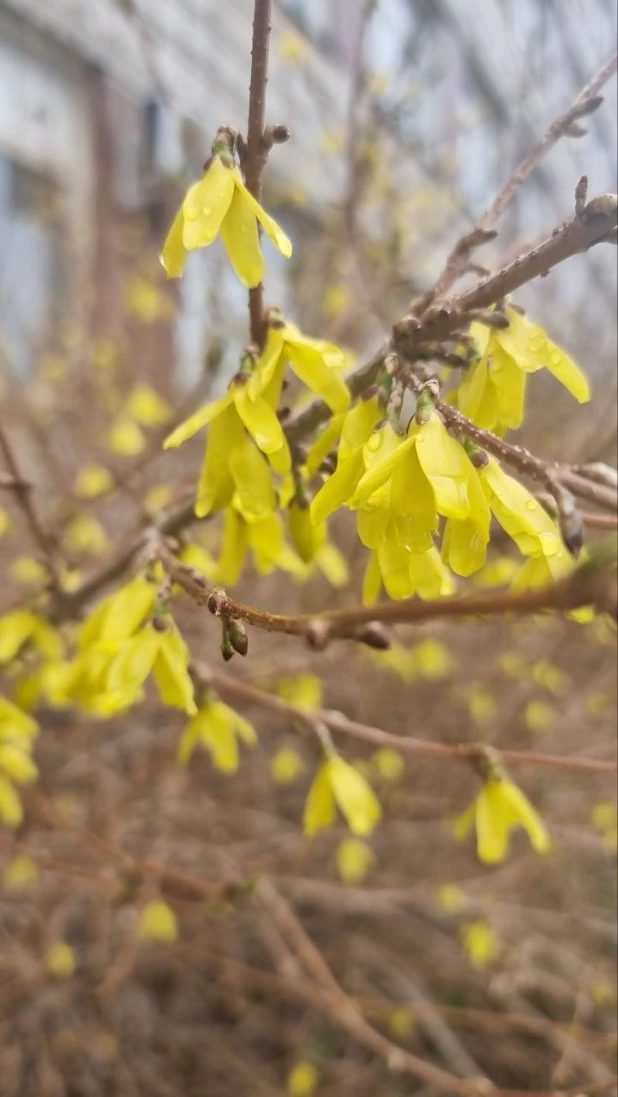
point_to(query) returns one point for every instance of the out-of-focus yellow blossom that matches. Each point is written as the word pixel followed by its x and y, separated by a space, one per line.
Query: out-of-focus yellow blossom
pixel 452 899
pixel 85 534
pixel 52 368
pixel 158 650
pixel 4 522
pixel 598 704
pixel 197 557
pixel 481 705
pixel 93 481
pixel 605 819
pixel 497 572
pixel 340 785
pixel 389 763
pixel 27 570
pixel 513 664
pixel 303 690
pixel 60 961
pixel 602 993
pixel 126 438
pixel 499 808
pixel 221 204
pixel 157 922
pixel 492 391
pixel 286 766
pixel 17 732
pixel 354 860
pixel 402 1022
pixel 105 353
pixel 379 82
pixel 144 301
pixel 480 943
pixel 293 48
pixel 157 498
pixel 337 298
pixel 303 1080
pixel 265 538
pixel 20 873
pixel 331 142
pixel 147 407
pixel 554 679
pixel 217 727
pixel 539 716
pixel 355 429
pixel 21 627
pixel 433 659
pixel 399 659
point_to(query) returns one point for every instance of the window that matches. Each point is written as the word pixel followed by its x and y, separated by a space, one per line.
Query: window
pixel 32 263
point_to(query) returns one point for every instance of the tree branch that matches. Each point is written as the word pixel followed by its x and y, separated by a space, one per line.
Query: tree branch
pixel 257 151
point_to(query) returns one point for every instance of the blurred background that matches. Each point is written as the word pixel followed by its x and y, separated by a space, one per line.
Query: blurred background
pixel 406 118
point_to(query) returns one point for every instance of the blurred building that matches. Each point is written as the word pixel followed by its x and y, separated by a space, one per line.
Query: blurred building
pixel 108 108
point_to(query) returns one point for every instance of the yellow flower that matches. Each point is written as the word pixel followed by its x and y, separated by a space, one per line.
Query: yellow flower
pixel 316 362
pixel 539 716
pixel 481 705
pixel 157 498
pixel 146 406
pixel 157 922
pixel 303 1080
pixel 17 731
pixel 519 513
pixel 197 557
pixel 293 48
pixel 402 1022
pixel 93 481
pixel 492 391
pixel 354 860
pixel 499 808
pixel 356 428
pixel 286 766
pixel 126 438
pixel 220 203
pixel 21 627
pixel 480 943
pixel 554 679
pixel 27 570
pixel 389 763
pixel 433 659
pixel 451 898
pixel 118 616
pixel 265 537
pixel 162 653
pixel 20 873
pixel 4 522
pixel 405 573
pixel 217 727
pixel 304 690
pixel 60 960
pixel 145 302
pixel 85 534
pixel 339 784
pixel 16 726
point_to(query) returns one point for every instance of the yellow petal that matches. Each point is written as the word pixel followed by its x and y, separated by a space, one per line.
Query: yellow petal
pixel 131 667
pixel 446 466
pixel 255 495
pixel 170 670
pixel 260 420
pixel 174 254
pixel 333 565
pixel 372 581
pixel 519 513
pixel 206 204
pixel 235 544
pixel 147 407
pixel 320 811
pixel 354 796
pixel 312 369
pixel 274 231
pixel 197 421
pixel 11 811
pixel 337 489
pixel 216 486
pixel 17 764
pixel 239 233
pixel 492 827
pixel 157 922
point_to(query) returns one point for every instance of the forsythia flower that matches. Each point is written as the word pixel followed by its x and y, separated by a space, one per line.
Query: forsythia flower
pixel 21 627
pixel 354 860
pixel 286 766
pixel 146 406
pixel 221 203
pixel 157 922
pixel 265 537
pixel 126 438
pixel 20 873
pixel 339 784
pixel 92 481
pixel 60 960
pixel 480 943
pixel 389 763
pixel 85 534
pixel 452 898
pixel 303 1080
pixel 315 362
pixel 158 648
pixel 499 808
pixel 492 392
pixel 304 690
pixel 217 727
pixel 17 731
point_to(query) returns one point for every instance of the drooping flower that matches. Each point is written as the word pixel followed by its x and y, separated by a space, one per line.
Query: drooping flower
pixel 158 649
pixel 500 808
pixel 316 362
pixel 492 391
pixel 21 627
pixel 480 943
pixel 340 785
pixel 157 922
pixel 217 727
pixel 404 573
pixel 221 204
pixel 286 766
pixel 354 860
pixel 264 537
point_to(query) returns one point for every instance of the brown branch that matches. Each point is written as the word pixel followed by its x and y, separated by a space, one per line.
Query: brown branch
pixel 22 490
pixel 586 102
pixel 235 689
pixel 257 151
pixel 589 584
pixel 593 226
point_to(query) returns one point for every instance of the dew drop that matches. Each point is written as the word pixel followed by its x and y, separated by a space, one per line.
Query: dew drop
pixel 537 342
pixel 191 213
pixel 555 358
pixel 532 504
pixel 374 442
pixel 207 211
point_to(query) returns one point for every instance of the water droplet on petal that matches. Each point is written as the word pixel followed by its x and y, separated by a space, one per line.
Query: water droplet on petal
pixel 555 358
pixel 374 442
pixel 532 504
pixel 191 212
pixel 537 343
pixel 207 211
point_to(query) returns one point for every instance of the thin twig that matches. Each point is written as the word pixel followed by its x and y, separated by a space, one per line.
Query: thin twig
pixel 587 101
pixel 256 149
pixel 336 722
pixel 23 493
